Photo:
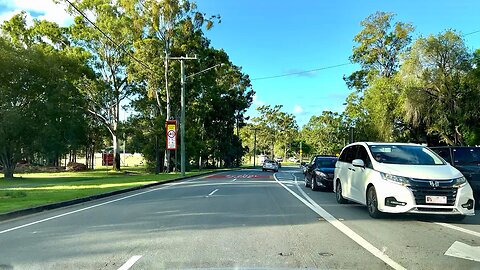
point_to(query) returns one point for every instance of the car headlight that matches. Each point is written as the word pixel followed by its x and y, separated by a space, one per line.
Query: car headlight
pixel 404 181
pixel 321 174
pixel 460 182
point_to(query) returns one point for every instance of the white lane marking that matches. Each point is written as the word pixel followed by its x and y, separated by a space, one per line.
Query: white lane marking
pixel 93 206
pixel 460 229
pixel 211 193
pixel 130 262
pixel 342 227
pixel 464 251
pixel 234 179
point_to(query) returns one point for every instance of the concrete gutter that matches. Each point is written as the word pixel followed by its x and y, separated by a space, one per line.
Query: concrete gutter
pixel 41 208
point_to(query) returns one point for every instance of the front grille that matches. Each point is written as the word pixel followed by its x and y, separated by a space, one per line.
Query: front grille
pixel 424 209
pixel 422 188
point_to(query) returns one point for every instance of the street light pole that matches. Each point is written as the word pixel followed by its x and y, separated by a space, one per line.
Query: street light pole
pixel 182 119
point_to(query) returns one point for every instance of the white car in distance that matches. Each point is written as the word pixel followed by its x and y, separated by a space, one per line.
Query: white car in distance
pixel 270 165
pixel 401 178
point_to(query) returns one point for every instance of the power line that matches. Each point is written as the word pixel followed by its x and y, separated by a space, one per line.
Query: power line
pixel 471 33
pixel 300 72
pixel 109 38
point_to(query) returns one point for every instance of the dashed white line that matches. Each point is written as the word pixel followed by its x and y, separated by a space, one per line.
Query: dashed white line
pixel 341 227
pixel 460 229
pixel 234 179
pixel 211 193
pixel 130 262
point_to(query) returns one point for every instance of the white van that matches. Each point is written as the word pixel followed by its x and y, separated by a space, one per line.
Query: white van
pixel 401 178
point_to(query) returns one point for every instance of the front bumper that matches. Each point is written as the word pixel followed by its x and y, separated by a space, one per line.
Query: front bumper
pixel 404 201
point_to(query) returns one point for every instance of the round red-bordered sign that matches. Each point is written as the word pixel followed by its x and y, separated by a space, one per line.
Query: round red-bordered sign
pixel 171 134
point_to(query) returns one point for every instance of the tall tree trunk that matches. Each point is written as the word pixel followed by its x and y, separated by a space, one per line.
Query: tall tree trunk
pixel 8 164
pixel 116 148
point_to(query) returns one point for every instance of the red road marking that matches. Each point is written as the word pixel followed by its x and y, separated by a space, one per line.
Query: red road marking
pixel 237 176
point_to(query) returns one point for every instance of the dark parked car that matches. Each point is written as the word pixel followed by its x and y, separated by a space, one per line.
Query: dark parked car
pixel 467 160
pixel 319 173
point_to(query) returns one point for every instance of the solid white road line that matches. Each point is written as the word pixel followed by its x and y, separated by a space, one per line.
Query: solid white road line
pixel 211 193
pixel 342 227
pixel 130 262
pixel 460 229
pixel 93 206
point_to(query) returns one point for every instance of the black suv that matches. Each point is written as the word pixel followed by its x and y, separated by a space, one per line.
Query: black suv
pixel 467 160
pixel 319 173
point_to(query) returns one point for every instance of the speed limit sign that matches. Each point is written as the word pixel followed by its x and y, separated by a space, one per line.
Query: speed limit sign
pixel 171 128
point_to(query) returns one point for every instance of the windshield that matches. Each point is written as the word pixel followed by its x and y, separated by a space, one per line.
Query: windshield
pixel 326 162
pixel 466 156
pixel 405 154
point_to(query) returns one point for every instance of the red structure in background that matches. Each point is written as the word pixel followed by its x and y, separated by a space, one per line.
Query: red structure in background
pixel 107 157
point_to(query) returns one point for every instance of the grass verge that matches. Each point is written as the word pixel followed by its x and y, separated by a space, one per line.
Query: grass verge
pixel 36 189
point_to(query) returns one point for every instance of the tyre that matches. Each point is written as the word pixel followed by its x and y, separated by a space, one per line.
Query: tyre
pixel 263 170
pixel 306 182
pixel 372 203
pixel 314 184
pixel 338 193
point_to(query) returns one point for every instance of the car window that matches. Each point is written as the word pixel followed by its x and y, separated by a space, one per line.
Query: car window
pixel 466 156
pixel 363 155
pixel 343 155
pixel 325 162
pixel 351 152
pixel 444 153
pixel 405 155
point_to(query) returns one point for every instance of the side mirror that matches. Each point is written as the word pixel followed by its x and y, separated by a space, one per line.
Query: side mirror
pixel 358 163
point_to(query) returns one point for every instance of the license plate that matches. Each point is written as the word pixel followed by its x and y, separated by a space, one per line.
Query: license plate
pixel 436 199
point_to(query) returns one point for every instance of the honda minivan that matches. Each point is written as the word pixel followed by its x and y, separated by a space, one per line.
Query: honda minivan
pixel 401 178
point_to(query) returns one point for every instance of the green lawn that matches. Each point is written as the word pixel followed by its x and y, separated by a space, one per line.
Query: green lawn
pixel 34 189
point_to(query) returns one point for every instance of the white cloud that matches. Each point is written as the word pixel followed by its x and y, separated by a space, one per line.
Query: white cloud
pixel 39 9
pixel 297 109
pixel 257 102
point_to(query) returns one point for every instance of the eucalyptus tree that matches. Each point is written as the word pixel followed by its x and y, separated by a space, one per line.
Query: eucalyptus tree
pixel 160 27
pixel 437 91
pixel 42 110
pixel 275 126
pixel 326 133
pixel 110 51
pixel 380 45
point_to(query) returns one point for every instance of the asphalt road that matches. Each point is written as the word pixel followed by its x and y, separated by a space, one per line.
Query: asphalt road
pixel 241 219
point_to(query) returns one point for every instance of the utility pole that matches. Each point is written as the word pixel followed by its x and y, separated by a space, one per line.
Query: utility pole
pixel 182 114
pixel 183 79
pixel 254 146
pixel 301 153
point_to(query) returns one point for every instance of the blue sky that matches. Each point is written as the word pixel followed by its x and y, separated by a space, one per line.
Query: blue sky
pixel 274 37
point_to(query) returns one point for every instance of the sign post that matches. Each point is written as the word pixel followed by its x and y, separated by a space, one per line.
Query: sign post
pixel 171 128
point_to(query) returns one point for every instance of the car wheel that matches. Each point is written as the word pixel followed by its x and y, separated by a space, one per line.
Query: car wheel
pixel 372 203
pixel 263 170
pixel 306 182
pixel 338 193
pixel 314 184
